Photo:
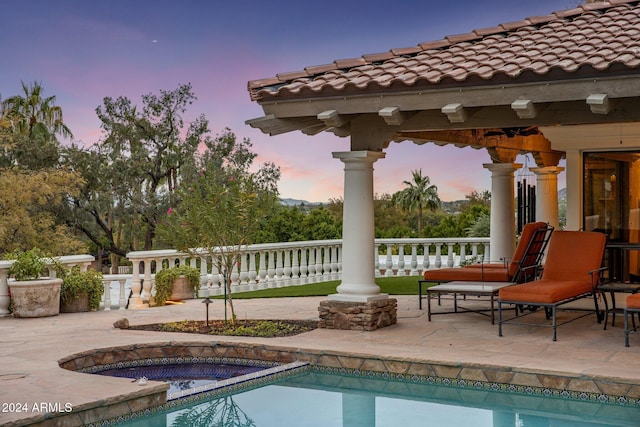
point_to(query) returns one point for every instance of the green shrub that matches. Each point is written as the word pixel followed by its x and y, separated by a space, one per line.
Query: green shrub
pixel 166 277
pixel 28 265
pixel 75 282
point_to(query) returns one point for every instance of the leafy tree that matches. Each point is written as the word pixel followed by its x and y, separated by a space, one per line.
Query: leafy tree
pixel 131 175
pixel 480 226
pixel 420 194
pixel 319 224
pixel 284 224
pixel 25 219
pixel 220 211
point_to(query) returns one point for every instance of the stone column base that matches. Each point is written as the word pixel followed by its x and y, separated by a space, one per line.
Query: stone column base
pixel 358 316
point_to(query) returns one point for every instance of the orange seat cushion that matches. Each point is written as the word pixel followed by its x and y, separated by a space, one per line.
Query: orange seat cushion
pixel 467 274
pixel 633 301
pixel 544 291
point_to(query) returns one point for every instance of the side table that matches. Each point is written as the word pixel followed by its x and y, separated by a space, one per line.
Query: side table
pixel 612 288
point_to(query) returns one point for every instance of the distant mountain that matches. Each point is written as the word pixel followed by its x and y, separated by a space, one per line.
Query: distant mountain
pixel 298 202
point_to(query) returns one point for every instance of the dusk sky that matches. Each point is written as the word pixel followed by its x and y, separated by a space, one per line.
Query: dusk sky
pixel 82 51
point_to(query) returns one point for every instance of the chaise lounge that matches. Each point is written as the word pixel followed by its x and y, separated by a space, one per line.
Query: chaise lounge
pixel 572 270
pixel 522 266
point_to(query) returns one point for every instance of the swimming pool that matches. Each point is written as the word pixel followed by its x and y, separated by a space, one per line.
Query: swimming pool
pixel 326 398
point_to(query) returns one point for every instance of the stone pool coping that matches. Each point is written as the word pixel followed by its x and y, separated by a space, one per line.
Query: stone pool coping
pixel 593 388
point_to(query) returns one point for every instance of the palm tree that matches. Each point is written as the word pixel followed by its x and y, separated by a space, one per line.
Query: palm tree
pixel 420 194
pixel 32 115
pixel 34 121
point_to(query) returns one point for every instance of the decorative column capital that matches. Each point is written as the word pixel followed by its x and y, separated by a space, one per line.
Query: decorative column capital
pixel 547 170
pixel 359 156
pixel 502 168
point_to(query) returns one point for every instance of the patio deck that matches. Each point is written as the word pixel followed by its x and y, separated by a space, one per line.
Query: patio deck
pixel 31 348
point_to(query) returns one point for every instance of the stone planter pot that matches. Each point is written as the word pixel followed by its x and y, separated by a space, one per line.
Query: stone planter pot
pixel 35 298
pixel 79 304
pixel 181 289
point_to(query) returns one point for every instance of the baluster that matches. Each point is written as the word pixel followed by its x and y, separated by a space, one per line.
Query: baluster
pixel 271 271
pixel 326 264
pixel 376 259
pixel 414 260
pixel 304 266
pixel 204 275
pixel 279 269
pixel 252 271
pixel 426 259
pixel 262 273
pixel 216 280
pixel 295 269
pixel 389 263
pixel 235 276
pixel 401 271
pixel 450 254
pixel 438 255
pixel 334 262
pixel 312 265
pixel 287 268
pixel 463 253
pixel 474 251
pixel 243 280
pixel 107 294
pixel 122 301
pixel 318 264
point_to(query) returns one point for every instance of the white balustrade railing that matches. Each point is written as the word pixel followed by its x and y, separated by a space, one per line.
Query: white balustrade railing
pixel 270 265
pixel 274 265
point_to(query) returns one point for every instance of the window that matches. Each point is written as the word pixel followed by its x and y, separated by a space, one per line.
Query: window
pixel 612 204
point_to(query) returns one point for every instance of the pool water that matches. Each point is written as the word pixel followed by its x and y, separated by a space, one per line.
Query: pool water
pixel 326 400
pixel 183 376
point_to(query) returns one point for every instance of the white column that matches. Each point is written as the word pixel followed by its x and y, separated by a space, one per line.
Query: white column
pixel 502 237
pixel 547 194
pixel 358 232
pixel 575 182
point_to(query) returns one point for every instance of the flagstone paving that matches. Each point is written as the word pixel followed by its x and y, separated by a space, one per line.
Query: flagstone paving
pixel 463 345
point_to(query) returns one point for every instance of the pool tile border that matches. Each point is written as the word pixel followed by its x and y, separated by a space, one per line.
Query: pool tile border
pixel 576 387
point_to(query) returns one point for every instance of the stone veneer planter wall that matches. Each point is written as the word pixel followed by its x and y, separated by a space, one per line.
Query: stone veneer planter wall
pixel 477 376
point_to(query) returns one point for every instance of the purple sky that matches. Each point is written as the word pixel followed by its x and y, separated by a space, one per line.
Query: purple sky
pixel 82 51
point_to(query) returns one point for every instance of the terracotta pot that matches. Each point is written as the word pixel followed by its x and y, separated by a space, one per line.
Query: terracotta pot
pixel 77 305
pixel 36 298
pixel 181 289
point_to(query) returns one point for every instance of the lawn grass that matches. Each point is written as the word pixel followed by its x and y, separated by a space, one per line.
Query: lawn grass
pixel 405 285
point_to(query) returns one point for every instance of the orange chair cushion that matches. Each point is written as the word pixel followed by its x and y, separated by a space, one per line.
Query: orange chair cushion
pixel 544 291
pixel 572 254
pixel 467 275
pixel 633 301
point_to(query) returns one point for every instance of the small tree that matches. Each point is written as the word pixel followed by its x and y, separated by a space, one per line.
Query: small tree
pixel 217 217
pixel 220 206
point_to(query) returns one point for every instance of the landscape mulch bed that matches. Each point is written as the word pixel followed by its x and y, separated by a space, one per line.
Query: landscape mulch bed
pixel 247 328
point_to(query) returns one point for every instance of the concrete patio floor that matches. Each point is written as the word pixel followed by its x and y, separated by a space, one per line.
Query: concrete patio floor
pixel 31 348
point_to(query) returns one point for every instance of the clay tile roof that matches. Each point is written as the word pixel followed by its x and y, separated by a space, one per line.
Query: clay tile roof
pixel 591 38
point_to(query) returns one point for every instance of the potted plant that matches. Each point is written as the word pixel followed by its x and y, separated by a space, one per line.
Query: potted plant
pixel 33 295
pixel 176 283
pixel 81 290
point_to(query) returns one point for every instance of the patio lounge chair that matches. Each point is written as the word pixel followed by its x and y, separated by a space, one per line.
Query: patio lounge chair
pixel 522 267
pixel 572 270
pixel 632 308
